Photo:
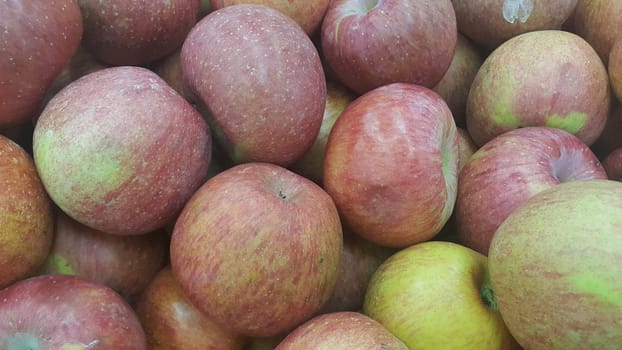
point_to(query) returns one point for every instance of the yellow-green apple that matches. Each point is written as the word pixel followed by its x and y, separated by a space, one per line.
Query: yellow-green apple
pixel 257 249
pixel 308 14
pixel 261 78
pixel 599 22
pixel 437 295
pixel 555 268
pixel 120 32
pixel 613 164
pixel 311 163
pixel 373 43
pixel 170 321
pixel 120 151
pixel 491 22
pixel 66 312
pixel 26 219
pixel 455 84
pixel 534 79
pixel 509 169
pixel 391 164
pixel 341 331
pixel 124 263
pixel 37 40
pixel 614 68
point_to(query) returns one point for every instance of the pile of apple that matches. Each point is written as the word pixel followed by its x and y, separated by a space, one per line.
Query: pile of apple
pixel 345 174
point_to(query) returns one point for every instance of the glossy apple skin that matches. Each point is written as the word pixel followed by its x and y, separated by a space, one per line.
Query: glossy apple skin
pixel 66 312
pixel 170 321
pixel 26 219
pixel 37 40
pixel 341 331
pixel 261 78
pixel 373 43
pixel 533 80
pixel 308 14
pixel 613 164
pixel 120 151
pixel 120 32
pixel 508 170
pixel 257 249
pixel 598 22
pixel 490 23
pixel 436 295
pixel 555 267
pixel 391 164
pixel 124 263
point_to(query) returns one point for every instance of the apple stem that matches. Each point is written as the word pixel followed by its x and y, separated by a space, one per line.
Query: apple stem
pixel 488 295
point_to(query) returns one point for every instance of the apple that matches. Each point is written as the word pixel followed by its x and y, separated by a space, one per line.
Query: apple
pixel 120 32
pixel 534 79
pixel 169 69
pixel 257 249
pixel 614 68
pixel 508 170
pixel 37 41
pixel 598 22
pixel 124 263
pixel 308 14
pixel 466 148
pixel 261 79
pixel 26 219
pixel 66 312
pixel 455 84
pixel 613 164
pixel 341 331
pixel 610 138
pixel 311 163
pixel 391 164
pixel 120 151
pixel 555 267
pixel 170 321
pixel 373 43
pixel 492 22
pixel 437 295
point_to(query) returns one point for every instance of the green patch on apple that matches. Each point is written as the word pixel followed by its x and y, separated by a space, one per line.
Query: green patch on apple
pixel 573 122
pixel 58 264
pixel 23 341
pixel 601 290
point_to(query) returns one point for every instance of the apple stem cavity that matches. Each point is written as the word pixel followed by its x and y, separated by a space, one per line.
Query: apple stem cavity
pixel 488 295
pixel 282 195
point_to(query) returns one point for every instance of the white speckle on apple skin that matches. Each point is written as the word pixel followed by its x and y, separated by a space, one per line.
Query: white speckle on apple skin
pixel 517 10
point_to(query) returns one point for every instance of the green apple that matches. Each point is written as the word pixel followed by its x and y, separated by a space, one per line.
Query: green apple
pixel 555 266
pixel 437 295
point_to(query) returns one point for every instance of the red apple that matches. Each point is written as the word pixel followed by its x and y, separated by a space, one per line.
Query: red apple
pixel 120 151
pixel 391 164
pixel 533 80
pixel 614 68
pixel 169 69
pixel 37 40
pixel 599 22
pixel 261 78
pixel 490 23
pixel 66 312
pixel 124 263
pixel 508 170
pixel 613 164
pixel 26 219
pixel 120 32
pixel 341 331
pixel 373 43
pixel 170 321
pixel 466 148
pixel 257 249
pixel 308 14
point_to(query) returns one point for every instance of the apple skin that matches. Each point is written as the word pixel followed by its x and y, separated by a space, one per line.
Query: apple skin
pixel 555 267
pixel 170 321
pixel 26 219
pixel 341 331
pixel 311 163
pixel 124 263
pixel 613 164
pixel 614 68
pixel 508 170
pixel 120 32
pixel 308 14
pixel 257 249
pixel 373 43
pixel 261 78
pixel 533 80
pixel 436 295
pixel 610 138
pixel 38 39
pixel 120 151
pixel 391 164
pixel 455 85
pixel 491 22
pixel 598 22
pixel 66 312
pixel 466 148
